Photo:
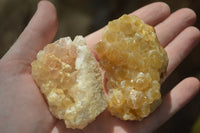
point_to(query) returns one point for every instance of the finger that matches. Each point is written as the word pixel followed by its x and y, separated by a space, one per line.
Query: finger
pixel 174 24
pixel 178 97
pixel 40 31
pixel 159 10
pixel 154 13
pixel 181 46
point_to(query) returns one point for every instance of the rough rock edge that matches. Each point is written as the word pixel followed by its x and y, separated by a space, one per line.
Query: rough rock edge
pixel 89 81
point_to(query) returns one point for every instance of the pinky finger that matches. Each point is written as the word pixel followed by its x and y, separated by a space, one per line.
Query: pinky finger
pixel 179 96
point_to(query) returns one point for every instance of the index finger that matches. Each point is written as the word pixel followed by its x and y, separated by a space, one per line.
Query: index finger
pixel 151 14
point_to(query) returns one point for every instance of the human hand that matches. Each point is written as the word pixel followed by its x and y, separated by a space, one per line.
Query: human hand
pixel 23 108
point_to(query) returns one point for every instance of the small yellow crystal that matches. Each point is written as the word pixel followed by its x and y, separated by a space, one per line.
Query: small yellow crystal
pixel 135 64
pixel 69 77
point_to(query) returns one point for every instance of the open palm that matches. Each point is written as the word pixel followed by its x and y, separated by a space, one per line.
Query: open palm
pixel 23 108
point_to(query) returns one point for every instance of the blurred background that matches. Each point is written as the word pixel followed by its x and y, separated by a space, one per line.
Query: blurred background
pixel 86 16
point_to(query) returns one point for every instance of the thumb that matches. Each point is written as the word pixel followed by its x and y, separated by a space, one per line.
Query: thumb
pixel 40 31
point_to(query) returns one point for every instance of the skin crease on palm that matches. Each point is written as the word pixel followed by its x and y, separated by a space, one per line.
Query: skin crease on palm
pixel 23 108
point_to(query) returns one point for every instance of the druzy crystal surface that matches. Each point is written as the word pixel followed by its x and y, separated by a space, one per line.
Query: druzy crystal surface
pixel 69 77
pixel 135 64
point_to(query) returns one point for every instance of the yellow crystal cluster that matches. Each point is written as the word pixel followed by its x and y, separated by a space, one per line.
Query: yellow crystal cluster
pixel 135 64
pixel 69 77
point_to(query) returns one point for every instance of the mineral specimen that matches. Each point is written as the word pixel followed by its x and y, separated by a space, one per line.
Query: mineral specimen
pixel 135 64
pixel 69 77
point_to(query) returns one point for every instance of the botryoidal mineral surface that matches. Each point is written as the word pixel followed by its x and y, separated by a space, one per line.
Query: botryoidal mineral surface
pixel 135 64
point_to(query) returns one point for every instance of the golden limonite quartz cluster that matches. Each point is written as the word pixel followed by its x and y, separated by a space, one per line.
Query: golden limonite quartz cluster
pixel 69 77
pixel 134 64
